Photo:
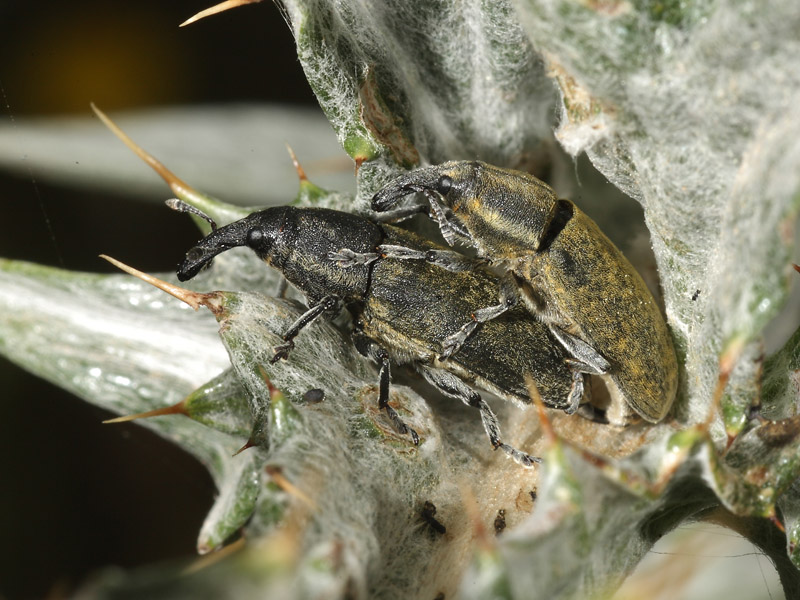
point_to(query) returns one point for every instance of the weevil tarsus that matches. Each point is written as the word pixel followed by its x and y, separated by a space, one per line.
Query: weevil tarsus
pixel 398 215
pixel 346 258
pixel 450 228
pixel 452 386
pixel 453 342
pixel 329 304
pixel 577 393
pixel 508 299
pixel 584 358
pixel 439 213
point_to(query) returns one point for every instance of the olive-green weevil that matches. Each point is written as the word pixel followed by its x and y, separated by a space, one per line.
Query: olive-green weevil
pixel 568 273
pixel 403 311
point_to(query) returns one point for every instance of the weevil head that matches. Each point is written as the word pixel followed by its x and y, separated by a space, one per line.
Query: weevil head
pixel 504 213
pixel 452 180
pixel 259 231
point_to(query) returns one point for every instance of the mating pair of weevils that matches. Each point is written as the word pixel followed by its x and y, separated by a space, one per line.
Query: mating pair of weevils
pixel 568 306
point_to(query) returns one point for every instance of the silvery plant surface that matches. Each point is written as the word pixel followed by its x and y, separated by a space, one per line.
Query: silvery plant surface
pixel 691 109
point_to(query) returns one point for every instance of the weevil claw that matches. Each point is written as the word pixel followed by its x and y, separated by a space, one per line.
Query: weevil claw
pixel 282 352
pixel 526 460
pixel 346 258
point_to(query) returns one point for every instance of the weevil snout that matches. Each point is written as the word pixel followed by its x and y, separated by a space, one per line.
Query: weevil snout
pixel 421 180
pixel 389 196
pixel 197 259
pixel 455 179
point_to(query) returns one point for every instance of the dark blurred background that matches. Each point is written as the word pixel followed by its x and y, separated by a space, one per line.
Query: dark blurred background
pixel 76 495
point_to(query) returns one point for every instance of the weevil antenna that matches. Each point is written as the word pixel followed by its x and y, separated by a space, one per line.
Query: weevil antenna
pixel 181 206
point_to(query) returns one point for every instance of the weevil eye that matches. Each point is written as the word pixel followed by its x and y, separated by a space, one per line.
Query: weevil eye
pixel 254 237
pixel 195 254
pixel 444 184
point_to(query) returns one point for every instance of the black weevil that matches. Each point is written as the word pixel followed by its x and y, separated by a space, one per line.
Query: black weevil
pixel 403 311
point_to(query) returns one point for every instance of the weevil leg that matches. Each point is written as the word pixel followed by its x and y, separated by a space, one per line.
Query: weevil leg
pixel 576 392
pixel 346 258
pixel 446 259
pixel 399 214
pixel 181 206
pixel 450 228
pixel 439 214
pixel 400 252
pixel 509 298
pixel 452 386
pixel 327 304
pixel 383 398
pixel 452 261
pixel 371 350
pixel 585 359
pixel 453 342
pixel 461 231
